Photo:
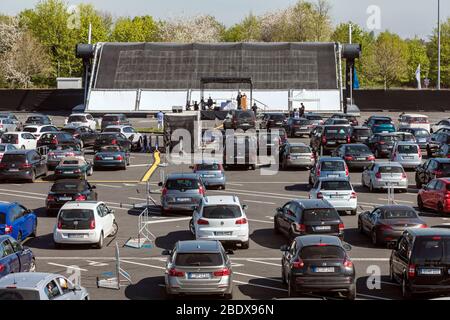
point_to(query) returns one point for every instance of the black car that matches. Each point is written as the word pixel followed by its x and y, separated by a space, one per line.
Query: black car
pixel 85 134
pixel 381 144
pixel 356 155
pixel 114 120
pixel 318 263
pixel 65 190
pixel 302 217
pixel 240 119
pixel 297 127
pixel 112 138
pixel 360 134
pixel 351 118
pixel 387 223
pixel 273 120
pixel 57 138
pixel 420 261
pixel 436 140
pixel 22 165
pixel 432 169
pixel 328 138
pixel 38 119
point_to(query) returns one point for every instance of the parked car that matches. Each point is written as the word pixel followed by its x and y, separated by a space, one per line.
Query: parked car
pixel 244 151
pixel 443 151
pixel 85 134
pixel 420 261
pixel 111 157
pixel 422 136
pixel 355 155
pixel 338 192
pixel 38 119
pixel 384 175
pixel 435 196
pixel 20 140
pixel 221 218
pixel 5 147
pixel 130 133
pixel 56 153
pixel 37 131
pixel 316 119
pixel 23 165
pixel 328 138
pixel 73 167
pixel 328 167
pixel 432 169
pixel 114 120
pixel 405 136
pixel 17 221
pixel 381 144
pixel 303 217
pixel 408 154
pixel 108 139
pixel 351 118
pixel 65 190
pixel 77 120
pixel 212 174
pixel 13 117
pixel 297 155
pixel 380 124
pixel 7 125
pixel 53 139
pixel 387 223
pixel 40 286
pixel 436 141
pixel 14 258
pixel 360 134
pixel 240 119
pixel 84 222
pixel 440 124
pixel 273 120
pixel 298 127
pixel 414 121
pixel 318 263
pixel 181 192
pixel 336 122
pixel 198 268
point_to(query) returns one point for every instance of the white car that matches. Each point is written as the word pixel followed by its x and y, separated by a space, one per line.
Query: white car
pixel 20 140
pixel 130 133
pixel 5 147
pixel 37 131
pixel 414 121
pixel 221 218
pixel 441 124
pixel 408 154
pixel 337 191
pixel 7 125
pixel 76 120
pixel 84 222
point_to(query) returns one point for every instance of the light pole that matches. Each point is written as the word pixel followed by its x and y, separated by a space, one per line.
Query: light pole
pixel 439 46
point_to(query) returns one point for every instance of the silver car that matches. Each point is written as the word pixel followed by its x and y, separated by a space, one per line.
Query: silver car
pixel 408 154
pixel 328 167
pixel 181 192
pixel 212 174
pixel 7 125
pixel 296 155
pixel 198 267
pixel 40 286
pixel 383 175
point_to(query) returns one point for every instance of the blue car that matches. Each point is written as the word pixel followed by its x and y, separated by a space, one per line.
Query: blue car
pixel 380 124
pixel 17 221
pixel 14 258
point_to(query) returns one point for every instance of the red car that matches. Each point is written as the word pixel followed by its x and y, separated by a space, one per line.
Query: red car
pixel 435 195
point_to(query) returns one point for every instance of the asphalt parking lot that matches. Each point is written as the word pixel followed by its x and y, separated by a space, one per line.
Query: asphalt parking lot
pixel 257 272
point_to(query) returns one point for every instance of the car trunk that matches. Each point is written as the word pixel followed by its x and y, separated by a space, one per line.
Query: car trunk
pixel 108 156
pixel 198 268
pixel 320 260
pixel 75 219
pixel 321 221
pixel 401 224
pixel 15 162
pixel 222 220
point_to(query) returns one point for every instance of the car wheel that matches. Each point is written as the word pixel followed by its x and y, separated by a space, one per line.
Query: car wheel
pixel 99 244
pixel 276 228
pixel 420 203
pixel 32 266
pixel 19 237
pixel 351 295
pixel 353 212
pixel 58 245
pixel 34 232
pixel 33 177
pixel 228 296
pixel 440 208
pixel 245 244
pixel 291 290
pixel 391 274
pixel 373 236
pixel 191 227
pixel 406 292
pixel 360 227
pixel 115 229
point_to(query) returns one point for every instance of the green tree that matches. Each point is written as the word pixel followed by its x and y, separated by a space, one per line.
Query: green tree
pixel 445 55
pixel 417 54
pixel 138 29
pixel 249 30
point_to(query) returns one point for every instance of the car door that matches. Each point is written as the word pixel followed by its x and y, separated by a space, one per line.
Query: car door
pixel 9 259
pixel 67 293
pixel 283 221
pixel 39 163
pixel 427 194
pixel 24 256
pixel 29 220
pixel 421 172
pixel 30 141
pixel 107 219
pixel 431 169
pixel 17 221
pixel 287 257
pixel 400 257
pixel 438 194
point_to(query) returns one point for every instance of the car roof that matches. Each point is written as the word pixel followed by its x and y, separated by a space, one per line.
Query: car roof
pixel 395 206
pixel 19 151
pixel 313 203
pixel 441 160
pixel 390 164
pixel 380 117
pixel 406 143
pixel 74 180
pixel 182 175
pixel 220 200
pixel 414 115
pixel 330 159
pixel 81 204
pixel 354 144
pixel 189 246
pixel 429 231
pixel 311 240
pixel 361 128
pixel 385 134
pixel 297 144
pixel 29 280
pixel 4 206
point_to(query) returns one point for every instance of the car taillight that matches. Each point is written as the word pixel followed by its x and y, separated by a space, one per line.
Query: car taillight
pixel 404 175
pixel 51 198
pixel 98 158
pixel 346 170
pixel 77 171
pixel 114 141
pixel 318 172
pixel 385 227
pixel 298 264
pixel 92 224
pixel 8 229
pixel 202 191
pixel 381 142
pixel 164 191
pixel 202 222
pixel 411 271
pixel 70 154
pixel 378 175
pixel 26 165
pixel 3 165
pixel 437 173
pixel 348 264
pixel 241 221
pixel 59 227
pixel 324 140
pixel 371 158
pixel 81 197
pixel 120 158
pixel 2 268
pixel 51 154
pixel 422 226
pixel 54 141
pixel 319 195
pixel 222 272
pixel 176 273
pixel 348 158
pixel 447 195
pixel 348 139
pixel 341 227
pixel 300 227
pixel 354 195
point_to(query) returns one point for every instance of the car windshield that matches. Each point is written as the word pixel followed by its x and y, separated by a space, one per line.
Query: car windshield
pixel 2 218
pixel 76 214
pixel 321 251
pixel 198 259
pixel 357 149
pixel 14 158
pixel 337 131
pixel 382 121
pixel 19 294
pixel 9 138
pixel 299 149
pixel 336 185
pixel 222 212
pixel 301 122
pixel 389 138
pixel 320 214
pixel 399 214
pixel 332 166
pixel 67 186
pixel 277 117
pixel 182 184
pixel 110 118
pixel 431 249
pixel 390 169
pixel 421 133
pixel 207 167
pixel 30 129
pixel 408 149
pixel 77 119
pixel 362 132
pixel 245 115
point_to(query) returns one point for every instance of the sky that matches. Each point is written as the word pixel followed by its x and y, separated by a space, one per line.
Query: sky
pixel 408 18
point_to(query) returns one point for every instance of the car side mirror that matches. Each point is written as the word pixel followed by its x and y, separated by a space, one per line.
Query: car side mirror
pixel 160 184
pixel 279 209
pixel 284 248
pixel 244 207
pixel 191 167
pixel 93 187
pixel 230 252
pixel 166 252
pixel 347 247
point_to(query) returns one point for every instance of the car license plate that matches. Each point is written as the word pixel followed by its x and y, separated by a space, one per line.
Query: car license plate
pixel 323 269
pixel 13 170
pixel 68 172
pixel 223 233
pixel 304 128
pixel 336 197
pixel 76 235
pixel 65 198
pixel 109 158
pixel 196 275
pixel 332 175
pixel 361 159
pixel 331 142
pixel 278 123
pixel 208 176
pixel 430 272
pixel 408 158
pixel 323 228
pixel 183 199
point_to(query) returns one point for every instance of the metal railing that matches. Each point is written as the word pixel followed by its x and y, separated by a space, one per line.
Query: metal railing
pixel 144 233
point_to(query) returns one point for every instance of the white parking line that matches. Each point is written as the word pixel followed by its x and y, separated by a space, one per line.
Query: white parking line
pixel 67 267
pixel 261 221
pixel 263 262
pixel 169 220
pixel 257 277
pixel 139 165
pixel 109 185
pixel 262 202
pixel 259 192
pixel 22 196
pixel 260 285
pixel 142 264
pixel 372 297
pixel 257 195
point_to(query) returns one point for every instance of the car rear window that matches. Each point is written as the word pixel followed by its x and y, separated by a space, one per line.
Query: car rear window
pixel 320 252
pixel 108 136
pixel 34 119
pixel 77 119
pixel 337 131
pixel 421 133
pixel 431 249
pixel 407 149
pixel 19 294
pixel 10 138
pixel 14 158
pixel 417 120
pixel 357 149
pixel 198 259
pixel 222 212
pixel 207 167
pixel 382 121
pixel 28 129
pixel 277 117
pixel 182 184
pixel 302 122
pixel 300 149
pixel 314 117
pixel 340 121
pixel 335 185
pixel 245 115
pixel 76 214
pixel 390 169
pixel 332 166
pixel 389 138
pixel 71 162
pixel 112 130
pixel 399 214
pixel 110 118
pixel 2 218
pixel 362 132
pixel 320 214
pixel 66 186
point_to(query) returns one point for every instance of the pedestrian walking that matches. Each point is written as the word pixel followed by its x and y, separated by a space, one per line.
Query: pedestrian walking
pixel 302 110
pixel 145 142
pixel 160 118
